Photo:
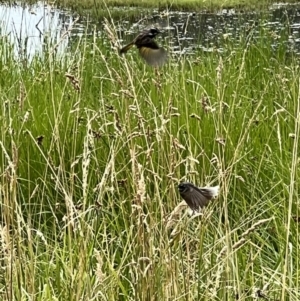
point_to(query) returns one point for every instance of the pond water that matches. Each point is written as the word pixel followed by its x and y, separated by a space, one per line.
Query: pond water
pixel 32 29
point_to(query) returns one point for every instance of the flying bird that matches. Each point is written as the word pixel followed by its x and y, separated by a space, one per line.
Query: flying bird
pixel 197 197
pixel 149 50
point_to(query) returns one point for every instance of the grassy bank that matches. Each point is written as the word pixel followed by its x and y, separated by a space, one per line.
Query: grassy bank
pixel 93 146
pixel 133 8
pixel 195 5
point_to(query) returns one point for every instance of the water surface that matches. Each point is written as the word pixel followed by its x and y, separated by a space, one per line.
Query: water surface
pixel 33 29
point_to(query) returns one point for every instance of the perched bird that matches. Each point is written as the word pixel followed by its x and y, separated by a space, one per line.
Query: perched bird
pixel 149 50
pixel 197 197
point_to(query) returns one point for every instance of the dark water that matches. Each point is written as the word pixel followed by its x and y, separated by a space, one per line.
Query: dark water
pixel 32 29
pixel 208 31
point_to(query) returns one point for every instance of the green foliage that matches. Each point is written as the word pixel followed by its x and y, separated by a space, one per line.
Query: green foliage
pixel 93 146
pixel 130 9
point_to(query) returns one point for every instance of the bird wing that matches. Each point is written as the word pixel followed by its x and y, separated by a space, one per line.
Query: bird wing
pixel 126 48
pixel 154 57
pixel 199 197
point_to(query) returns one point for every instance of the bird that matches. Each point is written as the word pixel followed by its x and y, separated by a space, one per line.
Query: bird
pixel 149 50
pixel 197 197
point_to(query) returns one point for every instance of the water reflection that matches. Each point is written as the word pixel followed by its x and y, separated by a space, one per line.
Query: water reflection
pixel 32 29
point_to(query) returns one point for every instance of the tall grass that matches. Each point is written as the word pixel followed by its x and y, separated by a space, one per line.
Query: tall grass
pixel 93 146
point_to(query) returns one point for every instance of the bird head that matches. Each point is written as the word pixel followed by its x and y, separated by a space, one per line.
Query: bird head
pixel 145 38
pixel 183 187
pixel 153 32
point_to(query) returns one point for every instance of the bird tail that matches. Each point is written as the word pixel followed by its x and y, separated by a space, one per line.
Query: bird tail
pixel 210 191
pixel 126 48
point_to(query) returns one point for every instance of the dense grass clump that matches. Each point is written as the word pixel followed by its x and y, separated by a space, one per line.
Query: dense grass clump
pixel 93 146
pixel 126 8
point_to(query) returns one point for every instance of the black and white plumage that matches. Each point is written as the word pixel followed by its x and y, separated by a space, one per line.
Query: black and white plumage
pixel 197 197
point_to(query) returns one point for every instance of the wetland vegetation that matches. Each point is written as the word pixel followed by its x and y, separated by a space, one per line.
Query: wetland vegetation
pixel 93 146
pixel 131 8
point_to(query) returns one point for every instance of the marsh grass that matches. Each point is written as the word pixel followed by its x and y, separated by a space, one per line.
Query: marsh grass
pixel 134 9
pixel 120 8
pixel 93 146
